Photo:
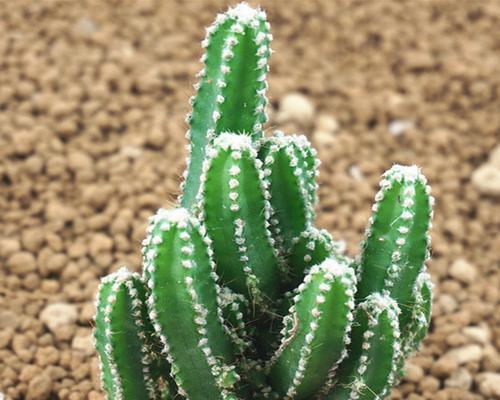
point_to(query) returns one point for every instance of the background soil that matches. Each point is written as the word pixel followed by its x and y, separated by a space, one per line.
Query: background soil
pixel 92 101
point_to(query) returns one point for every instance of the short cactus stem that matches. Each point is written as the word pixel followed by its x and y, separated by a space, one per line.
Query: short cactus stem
pixel 320 318
pixel 369 370
pixel 291 183
pixel 183 306
pixel 124 341
pixel 237 50
pixel 234 206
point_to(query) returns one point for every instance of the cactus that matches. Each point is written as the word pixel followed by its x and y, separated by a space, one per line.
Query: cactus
pixel 241 295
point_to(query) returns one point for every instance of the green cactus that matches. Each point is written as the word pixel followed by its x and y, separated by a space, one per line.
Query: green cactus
pixel 242 296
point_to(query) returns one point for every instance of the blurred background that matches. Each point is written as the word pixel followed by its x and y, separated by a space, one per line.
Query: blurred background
pixel 93 96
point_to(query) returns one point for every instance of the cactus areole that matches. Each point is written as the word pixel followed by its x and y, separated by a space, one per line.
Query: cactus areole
pixel 241 296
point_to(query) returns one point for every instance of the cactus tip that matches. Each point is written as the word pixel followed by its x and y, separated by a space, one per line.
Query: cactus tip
pixel 244 13
pixel 411 173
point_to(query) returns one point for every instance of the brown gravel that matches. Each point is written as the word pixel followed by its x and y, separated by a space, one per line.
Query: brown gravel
pixel 92 101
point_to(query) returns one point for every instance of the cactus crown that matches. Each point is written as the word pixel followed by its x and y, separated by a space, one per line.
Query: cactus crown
pixel 241 296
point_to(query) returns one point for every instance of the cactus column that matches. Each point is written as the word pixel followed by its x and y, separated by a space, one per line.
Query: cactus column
pixel 231 93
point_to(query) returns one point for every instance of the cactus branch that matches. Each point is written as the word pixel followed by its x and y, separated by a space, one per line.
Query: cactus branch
pixel 231 93
pixel 123 340
pixel 319 319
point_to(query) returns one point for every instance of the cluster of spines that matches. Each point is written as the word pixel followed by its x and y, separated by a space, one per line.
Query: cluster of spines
pixel 233 203
pixel 181 277
pixel 123 340
pixel 319 318
pixel 236 50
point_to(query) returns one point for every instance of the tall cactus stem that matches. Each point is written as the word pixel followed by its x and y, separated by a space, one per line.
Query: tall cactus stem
pixel 319 319
pixel 184 307
pixel 231 93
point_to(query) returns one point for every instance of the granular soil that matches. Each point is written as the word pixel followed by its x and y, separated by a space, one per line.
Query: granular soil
pixel 92 101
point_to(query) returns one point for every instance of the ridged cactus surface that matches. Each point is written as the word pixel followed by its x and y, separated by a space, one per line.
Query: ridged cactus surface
pixel 241 295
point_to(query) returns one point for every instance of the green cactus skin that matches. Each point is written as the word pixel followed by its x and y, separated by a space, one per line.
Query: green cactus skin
pixel 396 245
pixel 123 340
pixel 319 319
pixel 292 190
pixel 231 93
pixel 234 205
pixel 183 305
pixel 369 370
pixel 312 247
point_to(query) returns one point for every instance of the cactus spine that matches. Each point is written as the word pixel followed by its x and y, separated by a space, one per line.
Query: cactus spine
pixel 242 296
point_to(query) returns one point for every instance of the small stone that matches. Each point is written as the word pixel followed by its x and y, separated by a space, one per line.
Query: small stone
pixel 326 123
pixel 400 126
pixel 29 372
pixel 156 138
pixel 322 139
pixel 429 384
pixel 486 179
pixel 6 336
pixel 33 239
pixel 413 373
pixel 479 334
pixel 58 212
pixel 78 161
pixel 297 108
pixel 100 243
pixel 447 303
pixel 460 379
pixel 84 344
pixel 465 354
pixel 21 263
pixel 57 315
pixel 489 384
pixel 39 388
pixel 495 156
pixel 8 246
pixel 444 366
pixel 8 319
pixel 463 271
pixel 95 396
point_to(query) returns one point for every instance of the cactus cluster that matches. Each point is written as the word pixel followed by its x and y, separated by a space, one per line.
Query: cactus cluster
pixel 241 296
